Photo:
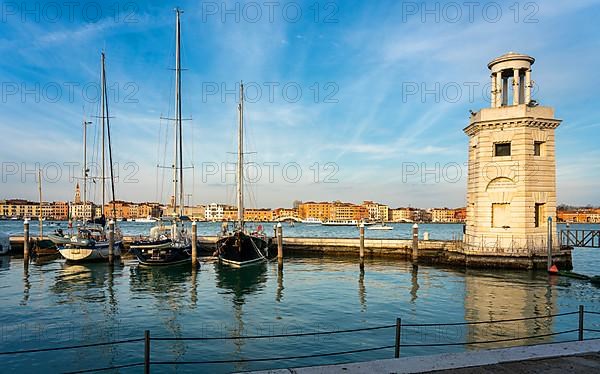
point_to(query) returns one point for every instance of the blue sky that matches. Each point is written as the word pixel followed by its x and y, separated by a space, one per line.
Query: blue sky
pixel 353 132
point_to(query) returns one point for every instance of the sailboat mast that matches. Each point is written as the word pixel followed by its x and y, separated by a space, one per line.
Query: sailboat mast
pixel 178 109
pixel 102 116
pixel 240 163
pixel 85 170
pixel 40 213
pixel 84 163
pixel 110 158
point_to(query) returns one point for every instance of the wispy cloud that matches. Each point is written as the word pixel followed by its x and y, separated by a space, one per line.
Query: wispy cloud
pixel 370 129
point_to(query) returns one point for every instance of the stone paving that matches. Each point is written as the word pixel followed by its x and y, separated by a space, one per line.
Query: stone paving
pixel 587 363
pixel 559 358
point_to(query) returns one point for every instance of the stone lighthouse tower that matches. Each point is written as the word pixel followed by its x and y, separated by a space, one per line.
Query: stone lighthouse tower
pixel 511 188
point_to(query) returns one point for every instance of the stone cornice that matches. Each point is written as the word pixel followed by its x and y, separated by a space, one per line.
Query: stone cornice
pixel 541 123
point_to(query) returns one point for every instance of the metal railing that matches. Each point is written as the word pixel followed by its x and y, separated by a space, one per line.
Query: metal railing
pixel 580 238
pixel 398 344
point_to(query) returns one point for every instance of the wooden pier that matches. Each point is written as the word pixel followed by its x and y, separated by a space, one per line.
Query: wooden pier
pixel 441 252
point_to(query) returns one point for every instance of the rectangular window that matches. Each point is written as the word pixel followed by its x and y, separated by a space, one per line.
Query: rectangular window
pixel 501 149
pixel 539 214
pixel 501 215
pixel 537 148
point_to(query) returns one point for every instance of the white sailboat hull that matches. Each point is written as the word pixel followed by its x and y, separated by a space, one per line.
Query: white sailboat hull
pixel 238 264
pixel 89 254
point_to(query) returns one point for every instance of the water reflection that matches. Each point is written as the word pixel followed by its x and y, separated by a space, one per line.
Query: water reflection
pixel 280 288
pixel 168 286
pixel 194 287
pixel 4 262
pixel 82 282
pixel 45 260
pixel 493 297
pixel 362 292
pixel 91 291
pixel 239 283
pixel 26 282
pixel 414 281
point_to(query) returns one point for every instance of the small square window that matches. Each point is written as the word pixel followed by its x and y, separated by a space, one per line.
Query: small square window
pixel 502 149
pixel 501 215
pixel 539 214
pixel 537 148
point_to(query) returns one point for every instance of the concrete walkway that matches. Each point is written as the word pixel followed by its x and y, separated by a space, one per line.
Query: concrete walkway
pixel 574 357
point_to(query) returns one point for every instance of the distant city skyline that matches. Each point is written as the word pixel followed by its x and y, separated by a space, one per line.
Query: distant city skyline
pixel 385 96
pixel 563 206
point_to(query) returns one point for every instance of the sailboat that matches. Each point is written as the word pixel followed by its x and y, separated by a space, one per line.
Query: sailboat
pixel 170 244
pixel 90 241
pixel 240 247
pixel 41 246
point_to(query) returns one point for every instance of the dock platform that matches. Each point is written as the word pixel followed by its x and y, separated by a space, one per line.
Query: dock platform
pixel 433 252
pixel 572 357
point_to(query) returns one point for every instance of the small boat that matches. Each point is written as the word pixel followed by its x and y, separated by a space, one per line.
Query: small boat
pixel 170 244
pixel 351 222
pixel 163 250
pixel 341 223
pixel 312 221
pixel 44 247
pixel 241 248
pixel 148 219
pixel 174 254
pixel 381 226
pixel 89 244
pixel 160 237
pixel 59 238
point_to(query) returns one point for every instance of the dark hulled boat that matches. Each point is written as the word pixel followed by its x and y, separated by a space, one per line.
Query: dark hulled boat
pixel 164 251
pixel 241 248
pixel 172 255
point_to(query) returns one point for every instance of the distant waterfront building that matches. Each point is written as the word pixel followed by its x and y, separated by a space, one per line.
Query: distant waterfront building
pixel 583 215
pixel 60 210
pixel 81 211
pixel 445 215
pixel 230 213
pixel 130 210
pixel 348 212
pixel 258 215
pixel 313 210
pixel 377 211
pixel 460 214
pixel 421 215
pixel 285 212
pixel 402 215
pixel 20 208
pixel 214 212
pixel 511 188
pixel 196 213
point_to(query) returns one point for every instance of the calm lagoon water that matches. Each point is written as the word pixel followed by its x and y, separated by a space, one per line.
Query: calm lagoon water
pixel 52 303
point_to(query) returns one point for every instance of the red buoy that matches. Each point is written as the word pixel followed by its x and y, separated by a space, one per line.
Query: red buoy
pixel 553 269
